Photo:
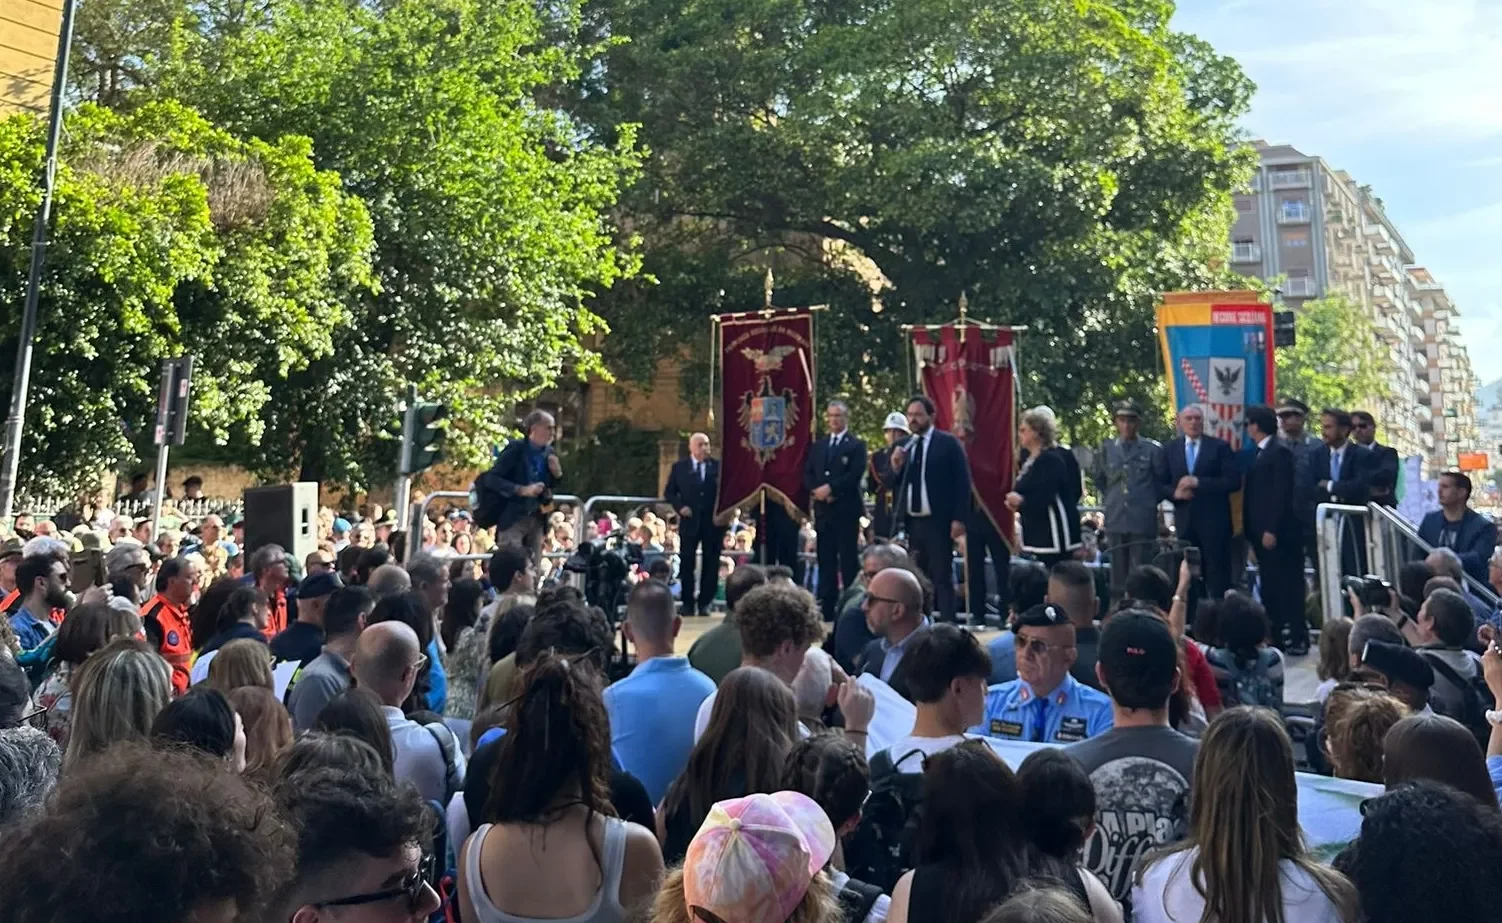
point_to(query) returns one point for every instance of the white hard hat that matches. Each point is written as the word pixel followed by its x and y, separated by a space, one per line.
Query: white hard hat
pixel 896 420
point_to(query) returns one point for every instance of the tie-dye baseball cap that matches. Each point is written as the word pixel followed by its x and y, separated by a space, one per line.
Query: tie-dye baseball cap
pixel 754 858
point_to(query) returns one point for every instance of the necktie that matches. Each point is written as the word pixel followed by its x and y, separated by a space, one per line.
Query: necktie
pixel 916 478
pixel 1334 466
pixel 700 467
pixel 1038 721
pixel 1191 452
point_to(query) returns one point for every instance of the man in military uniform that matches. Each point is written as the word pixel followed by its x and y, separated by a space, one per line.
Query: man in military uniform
pixel 1124 477
pixel 882 481
pixel 1292 413
pixel 1045 704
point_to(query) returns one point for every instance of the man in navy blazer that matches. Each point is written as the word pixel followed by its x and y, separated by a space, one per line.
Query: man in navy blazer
pixel 933 499
pixel 832 474
pixel 692 490
pixel 1456 526
pixel 1199 474
pixel 1382 469
pixel 1341 471
pixel 1274 532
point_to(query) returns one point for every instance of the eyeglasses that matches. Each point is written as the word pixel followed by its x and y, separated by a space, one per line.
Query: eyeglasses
pixel 1038 647
pixel 37 718
pixel 420 664
pixel 412 887
pixel 873 598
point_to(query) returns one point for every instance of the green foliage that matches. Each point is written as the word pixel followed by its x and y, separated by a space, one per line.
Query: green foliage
pixel 1338 359
pixel 618 458
pixel 488 209
pixel 1060 161
pixel 169 236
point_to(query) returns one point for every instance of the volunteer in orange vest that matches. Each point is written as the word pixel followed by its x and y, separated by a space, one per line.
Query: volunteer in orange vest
pixel 165 617
pixel 269 569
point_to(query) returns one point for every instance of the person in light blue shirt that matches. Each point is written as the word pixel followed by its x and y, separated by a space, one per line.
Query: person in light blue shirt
pixel 1045 704
pixel 652 711
pixel 1003 651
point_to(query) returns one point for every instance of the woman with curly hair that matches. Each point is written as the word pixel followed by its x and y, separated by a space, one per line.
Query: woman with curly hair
pixel 551 847
pixel 1357 719
pixel 145 834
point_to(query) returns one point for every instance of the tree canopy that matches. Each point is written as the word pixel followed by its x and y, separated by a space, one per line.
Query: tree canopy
pixel 1059 161
pixel 1337 360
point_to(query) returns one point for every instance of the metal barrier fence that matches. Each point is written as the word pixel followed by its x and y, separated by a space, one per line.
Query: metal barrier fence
pixel 194 509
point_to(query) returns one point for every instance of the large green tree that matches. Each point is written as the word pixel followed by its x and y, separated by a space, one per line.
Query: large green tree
pixel 489 207
pixel 1060 161
pixel 1338 358
pixel 169 236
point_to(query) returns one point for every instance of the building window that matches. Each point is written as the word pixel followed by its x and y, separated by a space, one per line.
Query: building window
pixel 1245 205
pixel 1294 211
pixel 1295 238
pixel 1245 250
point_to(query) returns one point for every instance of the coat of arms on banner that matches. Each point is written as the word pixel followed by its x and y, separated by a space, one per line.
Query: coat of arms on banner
pixel 1219 385
pixel 768 420
pixel 964 413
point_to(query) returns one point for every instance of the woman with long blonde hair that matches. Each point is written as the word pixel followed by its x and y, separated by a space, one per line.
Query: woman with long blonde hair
pixel 242 662
pixel 1244 860
pixel 117 693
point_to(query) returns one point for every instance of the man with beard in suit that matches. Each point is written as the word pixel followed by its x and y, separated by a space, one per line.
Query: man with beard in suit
pixel 832 476
pixel 692 489
pixel 1340 469
pixel 1382 476
pixel 1273 531
pixel 933 499
pixel 1199 474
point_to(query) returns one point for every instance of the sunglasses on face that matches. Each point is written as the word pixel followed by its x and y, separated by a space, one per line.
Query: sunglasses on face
pixel 1038 647
pixel 873 598
pixel 412 887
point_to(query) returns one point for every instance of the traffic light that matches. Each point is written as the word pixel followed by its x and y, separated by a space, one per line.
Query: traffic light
pixel 422 436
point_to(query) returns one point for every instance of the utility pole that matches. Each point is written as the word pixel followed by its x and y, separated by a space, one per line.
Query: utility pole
pixel 401 498
pixel 15 423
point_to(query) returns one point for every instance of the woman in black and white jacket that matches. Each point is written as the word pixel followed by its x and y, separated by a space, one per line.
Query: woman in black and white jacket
pixel 1046 495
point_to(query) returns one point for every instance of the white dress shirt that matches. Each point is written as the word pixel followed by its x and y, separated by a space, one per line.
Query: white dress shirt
pixel 923 445
pixel 419 759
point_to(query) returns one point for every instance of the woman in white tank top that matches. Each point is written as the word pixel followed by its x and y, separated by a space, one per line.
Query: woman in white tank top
pixel 550 851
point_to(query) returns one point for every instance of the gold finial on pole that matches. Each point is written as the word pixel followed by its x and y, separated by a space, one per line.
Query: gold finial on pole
pixel 964 307
pixel 767 289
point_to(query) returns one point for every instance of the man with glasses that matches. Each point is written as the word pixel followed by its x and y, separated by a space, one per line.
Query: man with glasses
pixel 360 849
pixel 1045 704
pixel 851 633
pixel 894 612
pixel 387 661
pixel 1382 474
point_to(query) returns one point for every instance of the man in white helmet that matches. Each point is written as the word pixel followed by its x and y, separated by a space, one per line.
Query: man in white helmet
pixel 882 480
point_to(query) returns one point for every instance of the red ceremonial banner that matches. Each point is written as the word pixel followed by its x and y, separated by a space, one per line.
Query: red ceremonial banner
pixel 767 411
pixel 967 373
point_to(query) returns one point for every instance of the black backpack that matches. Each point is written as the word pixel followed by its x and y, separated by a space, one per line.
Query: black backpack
pixel 881 848
pixel 485 502
pixel 856 900
pixel 1468 701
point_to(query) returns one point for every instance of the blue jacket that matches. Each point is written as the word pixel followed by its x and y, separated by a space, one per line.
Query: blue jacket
pixel 1474 540
pixel 1074 712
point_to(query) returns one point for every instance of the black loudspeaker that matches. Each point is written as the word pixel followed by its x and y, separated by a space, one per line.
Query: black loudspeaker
pixel 284 514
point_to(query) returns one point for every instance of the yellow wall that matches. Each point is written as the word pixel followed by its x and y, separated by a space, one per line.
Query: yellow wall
pixel 28 46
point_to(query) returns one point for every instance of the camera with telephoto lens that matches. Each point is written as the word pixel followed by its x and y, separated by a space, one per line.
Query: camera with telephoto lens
pixel 1372 591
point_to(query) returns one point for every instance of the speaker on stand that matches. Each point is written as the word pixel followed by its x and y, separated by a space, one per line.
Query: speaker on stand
pixel 285 515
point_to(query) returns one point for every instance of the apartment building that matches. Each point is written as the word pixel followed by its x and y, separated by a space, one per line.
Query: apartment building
pixel 1314 225
pixel 28 48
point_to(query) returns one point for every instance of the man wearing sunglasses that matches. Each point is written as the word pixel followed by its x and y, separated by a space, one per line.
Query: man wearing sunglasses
pixel 360 850
pixel 1382 473
pixel 1045 704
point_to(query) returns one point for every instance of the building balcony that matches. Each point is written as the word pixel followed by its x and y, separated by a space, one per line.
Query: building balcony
pixel 1380 239
pixel 1383 272
pixel 1290 179
pixel 1295 213
pixel 1382 297
pixel 1300 287
pixel 1246 253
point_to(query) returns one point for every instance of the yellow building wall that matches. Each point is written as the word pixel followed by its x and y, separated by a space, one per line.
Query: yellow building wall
pixel 28 47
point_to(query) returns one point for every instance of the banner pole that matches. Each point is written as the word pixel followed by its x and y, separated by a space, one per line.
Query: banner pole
pixel 766 531
pixel 714 355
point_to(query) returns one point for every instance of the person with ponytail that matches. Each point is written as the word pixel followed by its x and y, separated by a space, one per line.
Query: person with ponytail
pixel 1244 860
pixel 551 846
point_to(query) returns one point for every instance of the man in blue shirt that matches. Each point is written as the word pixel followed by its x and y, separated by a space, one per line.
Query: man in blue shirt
pixel 1045 704
pixel 652 711
pixel 42 580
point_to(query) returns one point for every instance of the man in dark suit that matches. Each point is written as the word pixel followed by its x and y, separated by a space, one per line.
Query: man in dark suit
pixel 1273 531
pixel 1199 474
pixel 882 480
pixel 1382 473
pixel 692 490
pixel 1340 469
pixel 832 475
pixel 933 500
pixel 1472 536
pixel 894 613
pixel 524 475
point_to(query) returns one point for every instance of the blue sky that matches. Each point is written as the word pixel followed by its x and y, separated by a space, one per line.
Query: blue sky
pixel 1405 95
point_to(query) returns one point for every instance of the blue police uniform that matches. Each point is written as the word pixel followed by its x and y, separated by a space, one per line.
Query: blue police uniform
pixel 1072 713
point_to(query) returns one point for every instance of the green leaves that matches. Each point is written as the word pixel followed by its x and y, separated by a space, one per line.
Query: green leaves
pixel 1338 359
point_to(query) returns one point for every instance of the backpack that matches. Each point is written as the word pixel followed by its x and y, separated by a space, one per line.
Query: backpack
pixel 1466 700
pixel 856 900
pixel 881 848
pixel 448 746
pixel 485 502
pixel 1249 684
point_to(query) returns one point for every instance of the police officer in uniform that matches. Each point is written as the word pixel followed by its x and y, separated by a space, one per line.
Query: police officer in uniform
pixel 1045 704
pixel 1124 476
pixel 882 481
pixel 1292 414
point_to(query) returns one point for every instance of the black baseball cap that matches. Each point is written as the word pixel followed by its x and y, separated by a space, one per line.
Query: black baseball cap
pixel 1043 615
pixel 1137 648
pixel 318 585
